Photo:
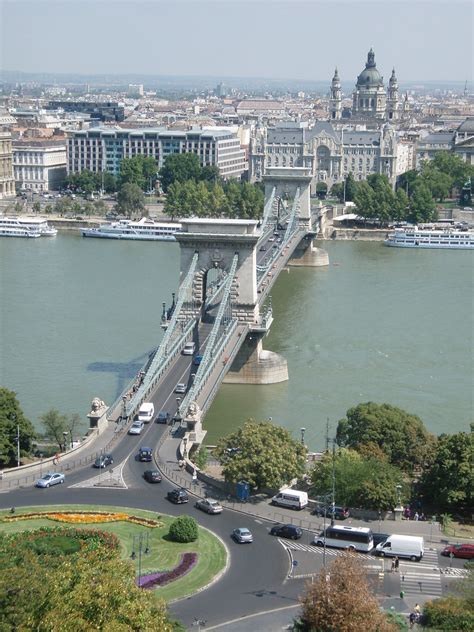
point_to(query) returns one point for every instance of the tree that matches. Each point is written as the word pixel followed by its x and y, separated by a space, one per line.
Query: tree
pixel 131 172
pixel 36 207
pixel 401 436
pixel 267 455
pixel 63 205
pixel 100 207
pixel 453 166
pixel 337 191
pixel 12 418
pixel 321 189
pixel 130 200
pixel 448 482
pixel 438 183
pixel 365 201
pixel 179 168
pixel 55 425
pixel 340 599
pixel 400 210
pixel 422 206
pixel 360 481
pixel 407 180
pixel 210 173
pixel 351 188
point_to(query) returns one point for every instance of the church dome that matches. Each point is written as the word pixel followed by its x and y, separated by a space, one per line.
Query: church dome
pixel 370 76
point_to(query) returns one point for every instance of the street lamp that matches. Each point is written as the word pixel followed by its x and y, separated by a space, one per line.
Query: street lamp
pixel 65 433
pixel 142 547
pixel 302 430
pixel 185 446
pixel 399 499
pixel 124 408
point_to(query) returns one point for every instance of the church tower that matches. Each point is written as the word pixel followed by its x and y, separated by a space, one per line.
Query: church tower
pixel 369 98
pixel 335 103
pixel 392 98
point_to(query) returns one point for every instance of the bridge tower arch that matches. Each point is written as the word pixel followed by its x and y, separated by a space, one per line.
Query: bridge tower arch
pixel 217 242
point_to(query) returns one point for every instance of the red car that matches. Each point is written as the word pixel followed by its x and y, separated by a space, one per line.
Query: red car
pixel 465 551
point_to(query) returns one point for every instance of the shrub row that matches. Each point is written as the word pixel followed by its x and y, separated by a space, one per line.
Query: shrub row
pixel 160 578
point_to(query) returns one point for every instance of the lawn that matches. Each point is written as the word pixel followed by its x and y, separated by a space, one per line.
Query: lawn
pixel 163 554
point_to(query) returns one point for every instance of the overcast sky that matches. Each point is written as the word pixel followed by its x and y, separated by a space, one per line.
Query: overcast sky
pixel 424 40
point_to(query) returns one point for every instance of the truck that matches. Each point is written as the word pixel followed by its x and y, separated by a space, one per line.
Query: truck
pixel 409 546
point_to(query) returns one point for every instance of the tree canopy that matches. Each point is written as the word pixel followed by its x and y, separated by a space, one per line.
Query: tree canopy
pixel 360 481
pixel 340 599
pixel 449 481
pixel 262 454
pixel 179 168
pixel 90 181
pixel 400 435
pixel 12 418
pixel 140 170
pixel 130 200
pixel 91 589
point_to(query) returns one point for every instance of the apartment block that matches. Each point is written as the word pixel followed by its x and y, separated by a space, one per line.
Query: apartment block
pixel 39 165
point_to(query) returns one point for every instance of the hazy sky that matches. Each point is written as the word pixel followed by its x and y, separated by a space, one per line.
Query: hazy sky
pixel 424 40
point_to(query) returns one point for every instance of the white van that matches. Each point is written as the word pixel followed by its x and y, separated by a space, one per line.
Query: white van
pixel 291 498
pixel 410 546
pixel 146 412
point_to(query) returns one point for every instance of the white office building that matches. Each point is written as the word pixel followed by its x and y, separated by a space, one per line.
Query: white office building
pixel 39 165
pixel 104 148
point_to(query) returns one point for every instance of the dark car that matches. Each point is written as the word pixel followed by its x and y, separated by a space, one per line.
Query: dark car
pixel 465 551
pixel 286 531
pixel 379 538
pixel 103 460
pixel 340 513
pixel 197 360
pixel 163 417
pixel 178 496
pixel 152 476
pixel 145 454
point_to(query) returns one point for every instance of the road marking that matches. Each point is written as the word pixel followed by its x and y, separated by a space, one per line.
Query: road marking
pixel 252 616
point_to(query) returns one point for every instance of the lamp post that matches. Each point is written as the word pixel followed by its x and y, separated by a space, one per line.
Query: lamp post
pixel 18 444
pixel 185 446
pixel 302 430
pixel 65 434
pixel 140 546
pixel 124 409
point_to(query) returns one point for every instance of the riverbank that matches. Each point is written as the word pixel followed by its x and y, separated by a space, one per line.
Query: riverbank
pixel 356 234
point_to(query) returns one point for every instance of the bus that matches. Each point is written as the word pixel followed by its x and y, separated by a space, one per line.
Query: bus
pixel 351 538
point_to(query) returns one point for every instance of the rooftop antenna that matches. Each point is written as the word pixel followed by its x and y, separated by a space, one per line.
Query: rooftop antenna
pixel 465 89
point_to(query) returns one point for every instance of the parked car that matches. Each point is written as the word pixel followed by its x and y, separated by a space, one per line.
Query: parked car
pixel 189 348
pixel 152 476
pixel 145 454
pixel 465 551
pixel 209 505
pixel 180 388
pixel 163 417
pixel 103 460
pixel 289 531
pixel 178 496
pixel 340 513
pixel 136 428
pixel 197 360
pixel 242 535
pixel 52 478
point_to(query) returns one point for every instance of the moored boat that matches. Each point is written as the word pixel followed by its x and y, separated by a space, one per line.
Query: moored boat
pixel 415 237
pixel 36 225
pixel 145 229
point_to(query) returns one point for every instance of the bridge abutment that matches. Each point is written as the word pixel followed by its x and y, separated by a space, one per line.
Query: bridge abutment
pixel 255 365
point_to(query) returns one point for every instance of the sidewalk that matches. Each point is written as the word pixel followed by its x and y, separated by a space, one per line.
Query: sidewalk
pixel 83 454
pixel 259 506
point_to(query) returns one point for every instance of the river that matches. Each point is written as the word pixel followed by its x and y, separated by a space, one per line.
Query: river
pixel 79 316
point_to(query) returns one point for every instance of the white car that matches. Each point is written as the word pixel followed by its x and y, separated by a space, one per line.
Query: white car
pixel 242 535
pixel 136 428
pixel 189 348
pixel 52 478
pixel 180 388
pixel 209 505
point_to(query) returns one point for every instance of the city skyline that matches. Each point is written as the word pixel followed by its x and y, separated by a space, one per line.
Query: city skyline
pixel 238 38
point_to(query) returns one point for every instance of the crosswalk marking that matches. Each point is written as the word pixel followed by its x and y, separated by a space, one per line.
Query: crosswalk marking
pixel 311 548
pixel 421 584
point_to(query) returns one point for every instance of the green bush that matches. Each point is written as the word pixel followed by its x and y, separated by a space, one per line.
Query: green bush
pixel 200 458
pixel 450 613
pixel 184 529
pixel 56 545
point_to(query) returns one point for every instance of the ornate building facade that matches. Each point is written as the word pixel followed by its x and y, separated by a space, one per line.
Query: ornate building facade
pixel 7 181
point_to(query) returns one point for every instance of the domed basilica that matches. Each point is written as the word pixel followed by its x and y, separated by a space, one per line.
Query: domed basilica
pixel 370 100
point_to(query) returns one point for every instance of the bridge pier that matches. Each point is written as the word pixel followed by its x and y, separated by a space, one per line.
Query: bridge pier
pixel 306 254
pixel 255 365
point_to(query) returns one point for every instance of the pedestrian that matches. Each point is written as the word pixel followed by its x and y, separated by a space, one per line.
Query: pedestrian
pixel 195 476
pixel 417 610
pixel 393 566
pixel 412 620
pixel 416 516
pixel 396 562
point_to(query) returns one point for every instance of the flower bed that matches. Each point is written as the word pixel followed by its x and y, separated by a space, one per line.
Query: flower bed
pixel 84 517
pixel 160 578
pixel 90 539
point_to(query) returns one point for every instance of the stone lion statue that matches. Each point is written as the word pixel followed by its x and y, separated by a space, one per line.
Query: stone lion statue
pixel 97 404
pixel 193 409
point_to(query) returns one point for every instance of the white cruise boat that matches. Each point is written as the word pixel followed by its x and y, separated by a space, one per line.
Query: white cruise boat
pixel 145 229
pixel 37 225
pixel 415 237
